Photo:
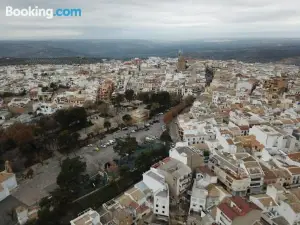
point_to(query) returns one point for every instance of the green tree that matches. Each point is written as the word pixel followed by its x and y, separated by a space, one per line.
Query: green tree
pixel 124 170
pixel 117 101
pixel 145 97
pixel 126 147
pixel 165 137
pixel 129 95
pixel 107 125
pixel 127 118
pixel 71 117
pixel 71 175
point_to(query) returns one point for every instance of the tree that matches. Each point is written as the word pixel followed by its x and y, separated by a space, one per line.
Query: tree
pixel 165 137
pixel 154 106
pixel 67 140
pixel 71 117
pixel 162 98
pixel 20 133
pixel 103 108
pixel 71 174
pixel 107 124
pixel 126 146
pixel 117 100
pixel 127 118
pixel 124 170
pixel 144 96
pixel 53 86
pixel 129 95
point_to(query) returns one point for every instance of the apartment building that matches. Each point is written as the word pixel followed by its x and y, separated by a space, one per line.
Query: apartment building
pixel 8 181
pixel 193 131
pixel 190 156
pixel 273 139
pixel 236 210
pixel 105 90
pixel 245 120
pixel 160 191
pixel 281 206
pixel 177 175
pixel 231 172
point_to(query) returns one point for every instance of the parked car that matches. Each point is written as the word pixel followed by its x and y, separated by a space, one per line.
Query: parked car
pixel 133 131
pixel 147 125
pixel 125 128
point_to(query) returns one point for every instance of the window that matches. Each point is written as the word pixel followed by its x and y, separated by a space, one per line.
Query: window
pixel 163 207
pixel 156 210
pixel 163 211
pixel 156 205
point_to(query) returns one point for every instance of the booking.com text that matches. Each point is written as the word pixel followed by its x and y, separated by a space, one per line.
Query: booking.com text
pixel 42 12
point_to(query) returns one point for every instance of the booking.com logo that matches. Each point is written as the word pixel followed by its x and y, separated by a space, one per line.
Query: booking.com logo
pixel 40 12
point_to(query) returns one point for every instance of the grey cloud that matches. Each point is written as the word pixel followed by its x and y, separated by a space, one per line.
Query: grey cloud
pixel 155 19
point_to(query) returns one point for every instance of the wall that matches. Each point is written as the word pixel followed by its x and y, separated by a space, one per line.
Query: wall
pixel 10 183
pixel 153 184
pixel 4 193
pixel 161 205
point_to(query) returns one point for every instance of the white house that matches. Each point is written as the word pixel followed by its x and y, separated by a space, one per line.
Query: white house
pixel 7 183
pixel 273 139
pixel 88 216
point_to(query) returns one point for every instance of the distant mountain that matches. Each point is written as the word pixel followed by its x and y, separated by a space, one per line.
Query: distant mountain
pixel 291 61
pixel 249 50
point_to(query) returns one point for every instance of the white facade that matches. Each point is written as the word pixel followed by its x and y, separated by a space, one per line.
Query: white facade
pixel 243 88
pixel 161 202
pixel 8 183
pixel 198 197
pixel 154 180
pixel 195 132
pixel 271 138
pixel 87 217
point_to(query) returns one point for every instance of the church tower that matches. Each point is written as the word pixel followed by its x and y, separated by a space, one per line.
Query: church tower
pixel 181 64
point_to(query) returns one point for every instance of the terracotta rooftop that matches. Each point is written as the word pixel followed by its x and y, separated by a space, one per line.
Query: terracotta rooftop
pixel 294 170
pixel 242 207
pixel 295 156
pixel 4 176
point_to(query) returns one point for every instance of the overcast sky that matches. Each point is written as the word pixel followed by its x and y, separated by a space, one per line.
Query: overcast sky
pixel 155 19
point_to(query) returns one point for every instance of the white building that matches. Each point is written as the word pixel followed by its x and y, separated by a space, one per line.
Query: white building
pixel 7 183
pixel 161 199
pixel 87 217
pixel 198 197
pixel 195 132
pixel 188 155
pixel 177 175
pixel 161 202
pixel 271 138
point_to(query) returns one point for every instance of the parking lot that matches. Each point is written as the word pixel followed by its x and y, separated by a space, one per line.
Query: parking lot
pixel 30 191
pixel 96 156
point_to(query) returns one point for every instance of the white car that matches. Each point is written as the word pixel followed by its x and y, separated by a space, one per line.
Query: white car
pixel 111 142
pixel 103 146
pixel 133 131
pixel 90 145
